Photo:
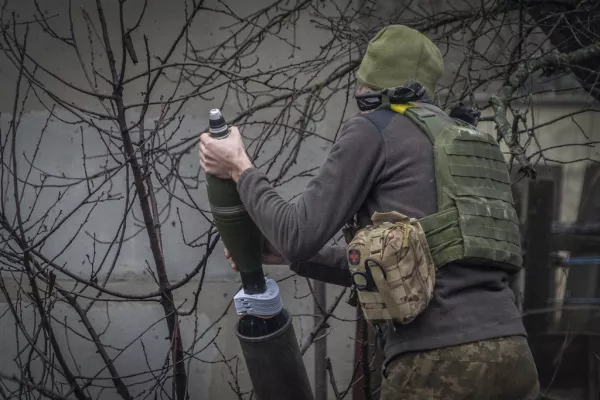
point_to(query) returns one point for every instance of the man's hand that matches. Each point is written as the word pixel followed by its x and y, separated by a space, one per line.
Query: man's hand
pixel 270 257
pixel 224 158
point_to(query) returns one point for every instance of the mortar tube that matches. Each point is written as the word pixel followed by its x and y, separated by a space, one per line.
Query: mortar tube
pixel 274 362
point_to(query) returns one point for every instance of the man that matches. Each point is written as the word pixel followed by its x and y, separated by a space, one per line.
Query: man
pixel 470 341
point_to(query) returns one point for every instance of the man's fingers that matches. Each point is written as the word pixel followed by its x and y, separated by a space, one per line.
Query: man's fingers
pixel 204 138
pixel 202 154
pixel 270 248
pixel 211 167
pixel 228 257
pixel 202 149
pixel 208 162
pixel 270 259
pixel 274 259
pixel 204 146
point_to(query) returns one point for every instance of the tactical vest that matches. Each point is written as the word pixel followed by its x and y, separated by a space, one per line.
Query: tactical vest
pixel 476 222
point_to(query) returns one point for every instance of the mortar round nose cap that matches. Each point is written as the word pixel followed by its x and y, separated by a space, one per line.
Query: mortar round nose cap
pixel 216 123
pixel 215 114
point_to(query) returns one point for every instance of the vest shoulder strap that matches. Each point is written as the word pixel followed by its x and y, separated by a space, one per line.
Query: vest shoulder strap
pixel 429 122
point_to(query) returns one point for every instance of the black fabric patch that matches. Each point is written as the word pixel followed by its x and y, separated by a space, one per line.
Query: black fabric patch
pixel 380 118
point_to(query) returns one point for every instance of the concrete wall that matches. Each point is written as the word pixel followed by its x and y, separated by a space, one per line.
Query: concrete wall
pixel 61 153
pixel 61 144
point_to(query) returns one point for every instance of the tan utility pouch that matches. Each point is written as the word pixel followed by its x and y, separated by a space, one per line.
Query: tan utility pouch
pixel 392 269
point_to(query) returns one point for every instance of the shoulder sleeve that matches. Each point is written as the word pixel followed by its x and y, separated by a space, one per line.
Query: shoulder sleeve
pixel 328 265
pixel 299 230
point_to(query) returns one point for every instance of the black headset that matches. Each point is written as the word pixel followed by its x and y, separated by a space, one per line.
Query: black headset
pixel 410 91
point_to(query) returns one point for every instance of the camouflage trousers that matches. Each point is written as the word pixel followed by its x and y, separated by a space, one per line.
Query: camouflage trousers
pixel 500 369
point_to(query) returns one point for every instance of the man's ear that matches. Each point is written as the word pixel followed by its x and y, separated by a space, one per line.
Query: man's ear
pixel 360 89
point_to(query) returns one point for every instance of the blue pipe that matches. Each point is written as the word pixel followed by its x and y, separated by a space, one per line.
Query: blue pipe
pixel 588 260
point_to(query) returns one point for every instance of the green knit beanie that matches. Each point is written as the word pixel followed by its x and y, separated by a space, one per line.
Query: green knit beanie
pixel 397 54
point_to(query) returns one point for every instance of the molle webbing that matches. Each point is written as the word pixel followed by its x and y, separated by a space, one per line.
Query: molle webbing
pixel 476 222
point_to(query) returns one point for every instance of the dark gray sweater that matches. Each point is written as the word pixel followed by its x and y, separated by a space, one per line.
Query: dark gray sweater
pixel 370 170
